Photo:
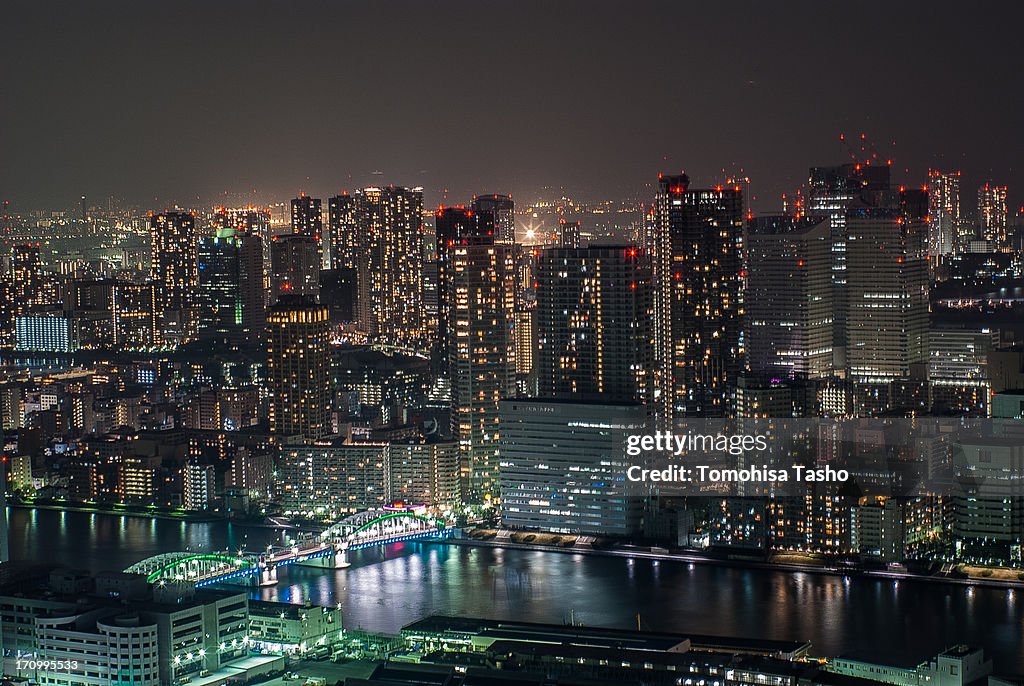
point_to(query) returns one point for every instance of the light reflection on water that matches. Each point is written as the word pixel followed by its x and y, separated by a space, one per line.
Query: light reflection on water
pixel 382 591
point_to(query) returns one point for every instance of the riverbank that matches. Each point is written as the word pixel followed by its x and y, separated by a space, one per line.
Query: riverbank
pixel 697 558
pixel 123 511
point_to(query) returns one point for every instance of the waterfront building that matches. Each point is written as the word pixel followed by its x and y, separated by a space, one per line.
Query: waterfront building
pixel 425 474
pixel 563 466
pixel 293 629
pixel 200 487
pixel 328 480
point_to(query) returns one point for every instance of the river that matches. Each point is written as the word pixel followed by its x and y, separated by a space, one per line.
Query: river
pixel 897 622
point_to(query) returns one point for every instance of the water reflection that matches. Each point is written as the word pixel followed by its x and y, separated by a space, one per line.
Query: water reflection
pixel 384 590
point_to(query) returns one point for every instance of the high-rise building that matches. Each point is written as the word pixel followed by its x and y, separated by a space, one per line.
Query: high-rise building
pixel 502 210
pixel 698 308
pixel 944 221
pixel 331 479
pixel 26 277
pixel 788 302
pixel 307 216
pixel 294 267
pixel 390 278
pixel 831 190
pixel 425 473
pixel 887 284
pixel 135 315
pixel 174 269
pixel 481 353
pixel 993 217
pixel 343 229
pixel 298 368
pixel 231 294
pixel 453 226
pixel 594 325
pixel 563 466
pixel 569 233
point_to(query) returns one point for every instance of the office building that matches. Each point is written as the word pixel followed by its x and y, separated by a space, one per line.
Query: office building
pixel 563 466
pixel 789 297
pixel 45 330
pixel 698 307
pixel 887 285
pixel 298 368
pixel 174 268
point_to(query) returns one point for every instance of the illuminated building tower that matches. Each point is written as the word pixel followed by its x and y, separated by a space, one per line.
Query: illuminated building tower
pixel 174 268
pixel 135 316
pixel 249 221
pixel 199 486
pixel 569 233
pixel 343 229
pixel 503 209
pixel 944 222
pixel 26 277
pixel 294 266
pixel 299 368
pixel 992 215
pixel 481 353
pixel 887 282
pixel 831 190
pixel 453 227
pixel 788 301
pixel 390 278
pixel 307 220
pixel 698 307
pixel 526 346
pixel 307 217
pixel 231 287
pixel 595 331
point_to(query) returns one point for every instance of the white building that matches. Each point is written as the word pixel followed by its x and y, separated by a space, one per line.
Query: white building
pixel 563 466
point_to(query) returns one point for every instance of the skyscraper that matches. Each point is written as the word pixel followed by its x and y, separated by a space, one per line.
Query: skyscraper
pixel 231 286
pixel 503 210
pixel 26 277
pixel 569 233
pixel 944 222
pixel 788 302
pixel 307 216
pixel 481 353
pixel 307 220
pixel 594 320
pixel 135 316
pixel 343 229
pixel 298 368
pixel 175 270
pixel 993 217
pixel 390 279
pixel 453 227
pixel 887 282
pixel 294 266
pixel 698 295
pixel 831 190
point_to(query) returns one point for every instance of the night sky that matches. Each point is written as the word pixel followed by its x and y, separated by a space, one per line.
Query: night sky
pixel 163 102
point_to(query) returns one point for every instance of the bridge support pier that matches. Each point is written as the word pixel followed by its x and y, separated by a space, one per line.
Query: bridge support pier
pixel 336 560
pixel 268 576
